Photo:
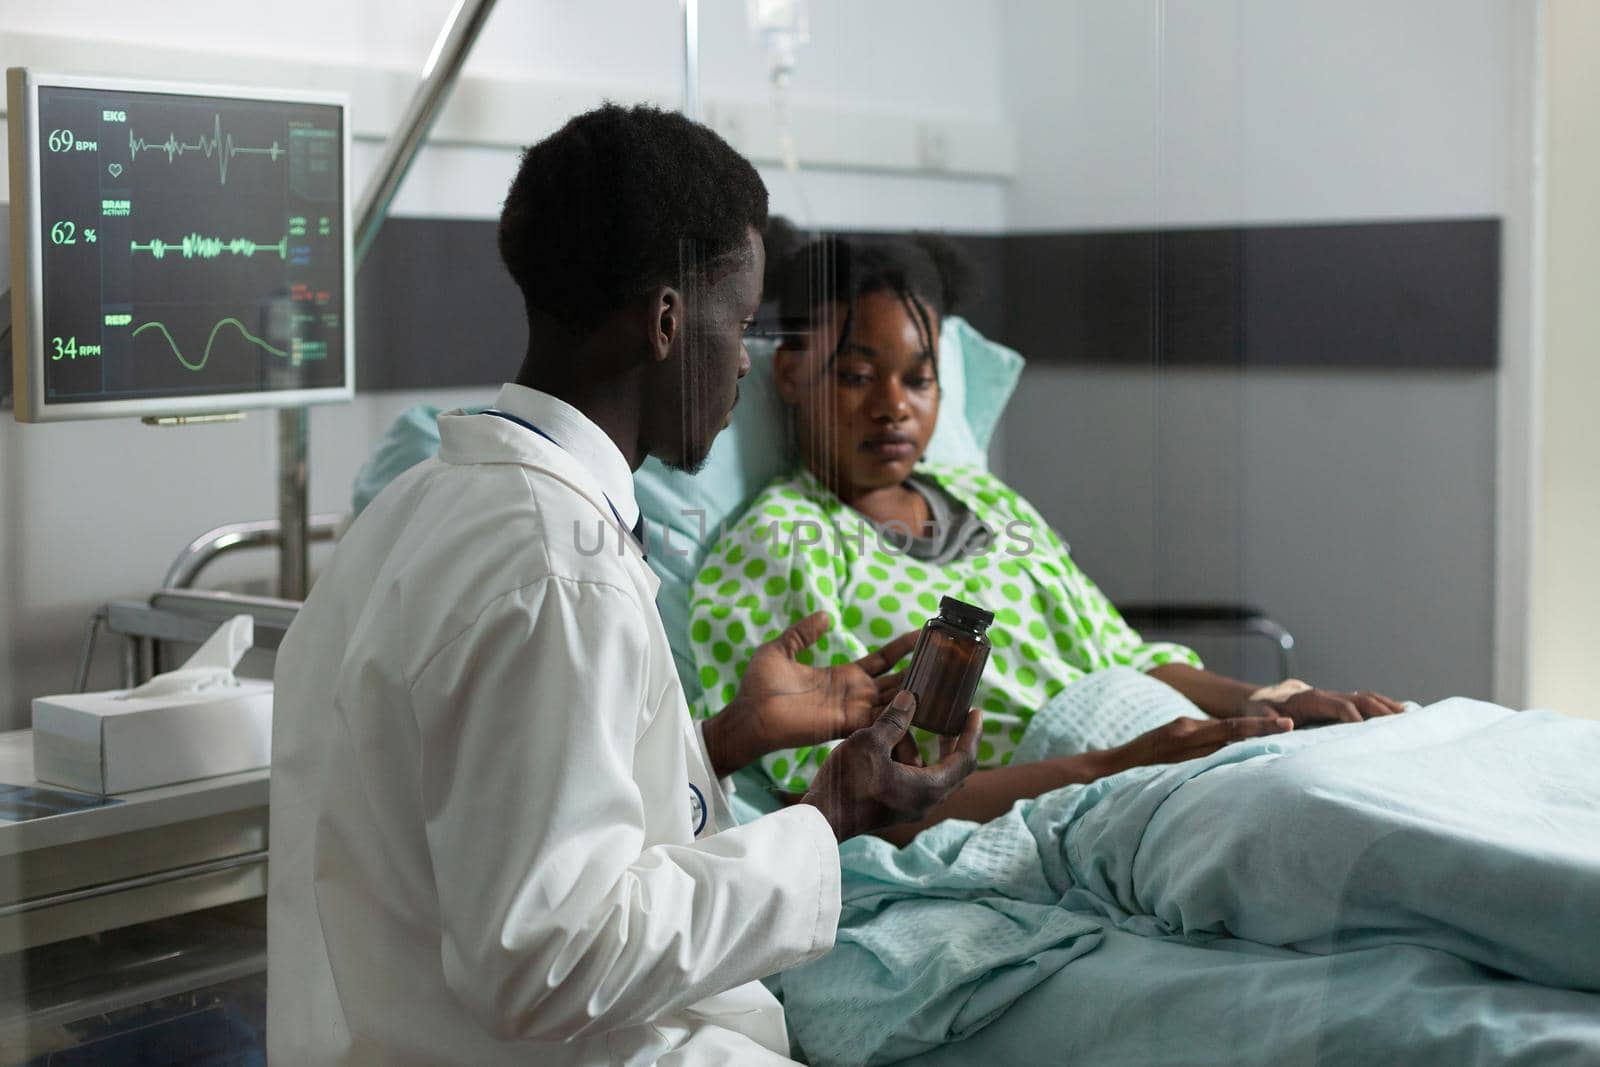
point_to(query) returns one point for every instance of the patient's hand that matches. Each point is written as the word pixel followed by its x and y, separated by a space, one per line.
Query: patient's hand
pixel 783 703
pixel 1317 707
pixel 1183 739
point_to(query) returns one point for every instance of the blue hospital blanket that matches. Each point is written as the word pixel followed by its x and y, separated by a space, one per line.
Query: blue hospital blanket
pixel 937 939
pixel 1139 1001
pixel 1462 828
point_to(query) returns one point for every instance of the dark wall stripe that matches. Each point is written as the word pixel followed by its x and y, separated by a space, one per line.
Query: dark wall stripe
pixel 1418 294
pixel 435 309
pixel 1398 294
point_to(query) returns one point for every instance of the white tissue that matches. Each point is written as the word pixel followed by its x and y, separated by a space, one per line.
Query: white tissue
pixel 210 668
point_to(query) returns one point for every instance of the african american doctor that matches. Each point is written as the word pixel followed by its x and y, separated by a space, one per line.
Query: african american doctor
pixel 497 835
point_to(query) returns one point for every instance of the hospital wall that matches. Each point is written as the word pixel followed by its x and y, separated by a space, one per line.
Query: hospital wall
pixel 94 511
pixel 1356 503
pixel 1565 581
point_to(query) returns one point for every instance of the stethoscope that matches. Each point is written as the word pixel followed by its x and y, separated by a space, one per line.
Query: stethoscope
pixel 637 530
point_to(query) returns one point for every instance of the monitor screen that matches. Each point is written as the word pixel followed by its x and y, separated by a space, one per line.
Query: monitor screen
pixel 181 251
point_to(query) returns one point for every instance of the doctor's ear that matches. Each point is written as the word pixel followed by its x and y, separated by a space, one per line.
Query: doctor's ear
pixel 667 323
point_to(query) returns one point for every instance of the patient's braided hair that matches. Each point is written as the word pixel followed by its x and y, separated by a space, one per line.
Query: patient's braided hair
pixel 926 272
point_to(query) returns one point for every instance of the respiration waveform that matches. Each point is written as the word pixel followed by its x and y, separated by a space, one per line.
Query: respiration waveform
pixel 218 144
pixel 198 246
pixel 206 355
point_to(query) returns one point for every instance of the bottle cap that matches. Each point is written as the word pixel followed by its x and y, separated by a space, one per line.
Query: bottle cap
pixel 968 615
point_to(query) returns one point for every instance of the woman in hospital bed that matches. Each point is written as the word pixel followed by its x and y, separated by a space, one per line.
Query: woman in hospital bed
pixel 866 532
pixel 1352 895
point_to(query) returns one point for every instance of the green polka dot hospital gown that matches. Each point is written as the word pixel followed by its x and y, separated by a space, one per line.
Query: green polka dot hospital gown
pixel 800 549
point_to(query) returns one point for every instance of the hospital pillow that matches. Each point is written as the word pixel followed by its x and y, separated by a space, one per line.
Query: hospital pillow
pixel 684 512
pixel 988 374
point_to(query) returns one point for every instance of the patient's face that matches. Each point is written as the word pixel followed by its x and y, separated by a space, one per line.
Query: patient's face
pixel 865 417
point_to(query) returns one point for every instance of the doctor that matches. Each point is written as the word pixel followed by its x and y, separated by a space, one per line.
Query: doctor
pixel 497 837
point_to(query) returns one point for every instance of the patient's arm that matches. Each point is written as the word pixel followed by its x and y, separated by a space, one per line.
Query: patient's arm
pixel 990 793
pixel 1214 694
pixel 1226 698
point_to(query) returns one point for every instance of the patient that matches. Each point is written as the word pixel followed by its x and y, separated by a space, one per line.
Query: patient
pixel 868 533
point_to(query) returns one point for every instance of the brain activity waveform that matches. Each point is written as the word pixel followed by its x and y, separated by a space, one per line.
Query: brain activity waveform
pixel 206 355
pixel 219 145
pixel 198 246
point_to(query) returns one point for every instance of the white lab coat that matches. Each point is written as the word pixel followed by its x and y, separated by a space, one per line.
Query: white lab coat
pixel 482 789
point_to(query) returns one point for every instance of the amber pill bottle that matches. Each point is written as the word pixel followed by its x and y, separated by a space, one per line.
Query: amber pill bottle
pixel 946 664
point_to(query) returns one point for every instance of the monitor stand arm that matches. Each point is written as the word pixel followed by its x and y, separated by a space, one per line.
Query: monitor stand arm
pixel 439 74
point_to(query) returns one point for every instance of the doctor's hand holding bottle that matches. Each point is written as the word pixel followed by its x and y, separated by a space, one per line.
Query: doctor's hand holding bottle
pixel 875 779
pixel 872 780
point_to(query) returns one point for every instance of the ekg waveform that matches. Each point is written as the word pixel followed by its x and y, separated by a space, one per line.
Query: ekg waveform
pixel 206 355
pixel 198 246
pixel 218 144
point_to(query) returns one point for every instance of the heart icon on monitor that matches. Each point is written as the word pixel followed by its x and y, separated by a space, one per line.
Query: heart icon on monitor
pixel 115 169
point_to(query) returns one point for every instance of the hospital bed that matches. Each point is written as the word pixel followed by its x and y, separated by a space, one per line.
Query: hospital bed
pixel 1140 999
pixel 1136 998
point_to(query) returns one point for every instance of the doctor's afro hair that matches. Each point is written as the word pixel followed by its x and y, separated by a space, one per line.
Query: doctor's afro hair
pixel 619 201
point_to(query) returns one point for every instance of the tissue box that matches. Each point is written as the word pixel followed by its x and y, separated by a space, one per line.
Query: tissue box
pixel 98 743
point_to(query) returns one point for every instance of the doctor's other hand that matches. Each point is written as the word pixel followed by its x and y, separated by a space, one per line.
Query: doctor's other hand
pixel 871 780
pixel 783 703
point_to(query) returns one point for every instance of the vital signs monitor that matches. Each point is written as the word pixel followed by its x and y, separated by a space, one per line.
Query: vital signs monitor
pixel 176 250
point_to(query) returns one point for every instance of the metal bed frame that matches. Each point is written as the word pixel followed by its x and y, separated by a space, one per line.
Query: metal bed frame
pixel 179 613
pixel 1232 620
